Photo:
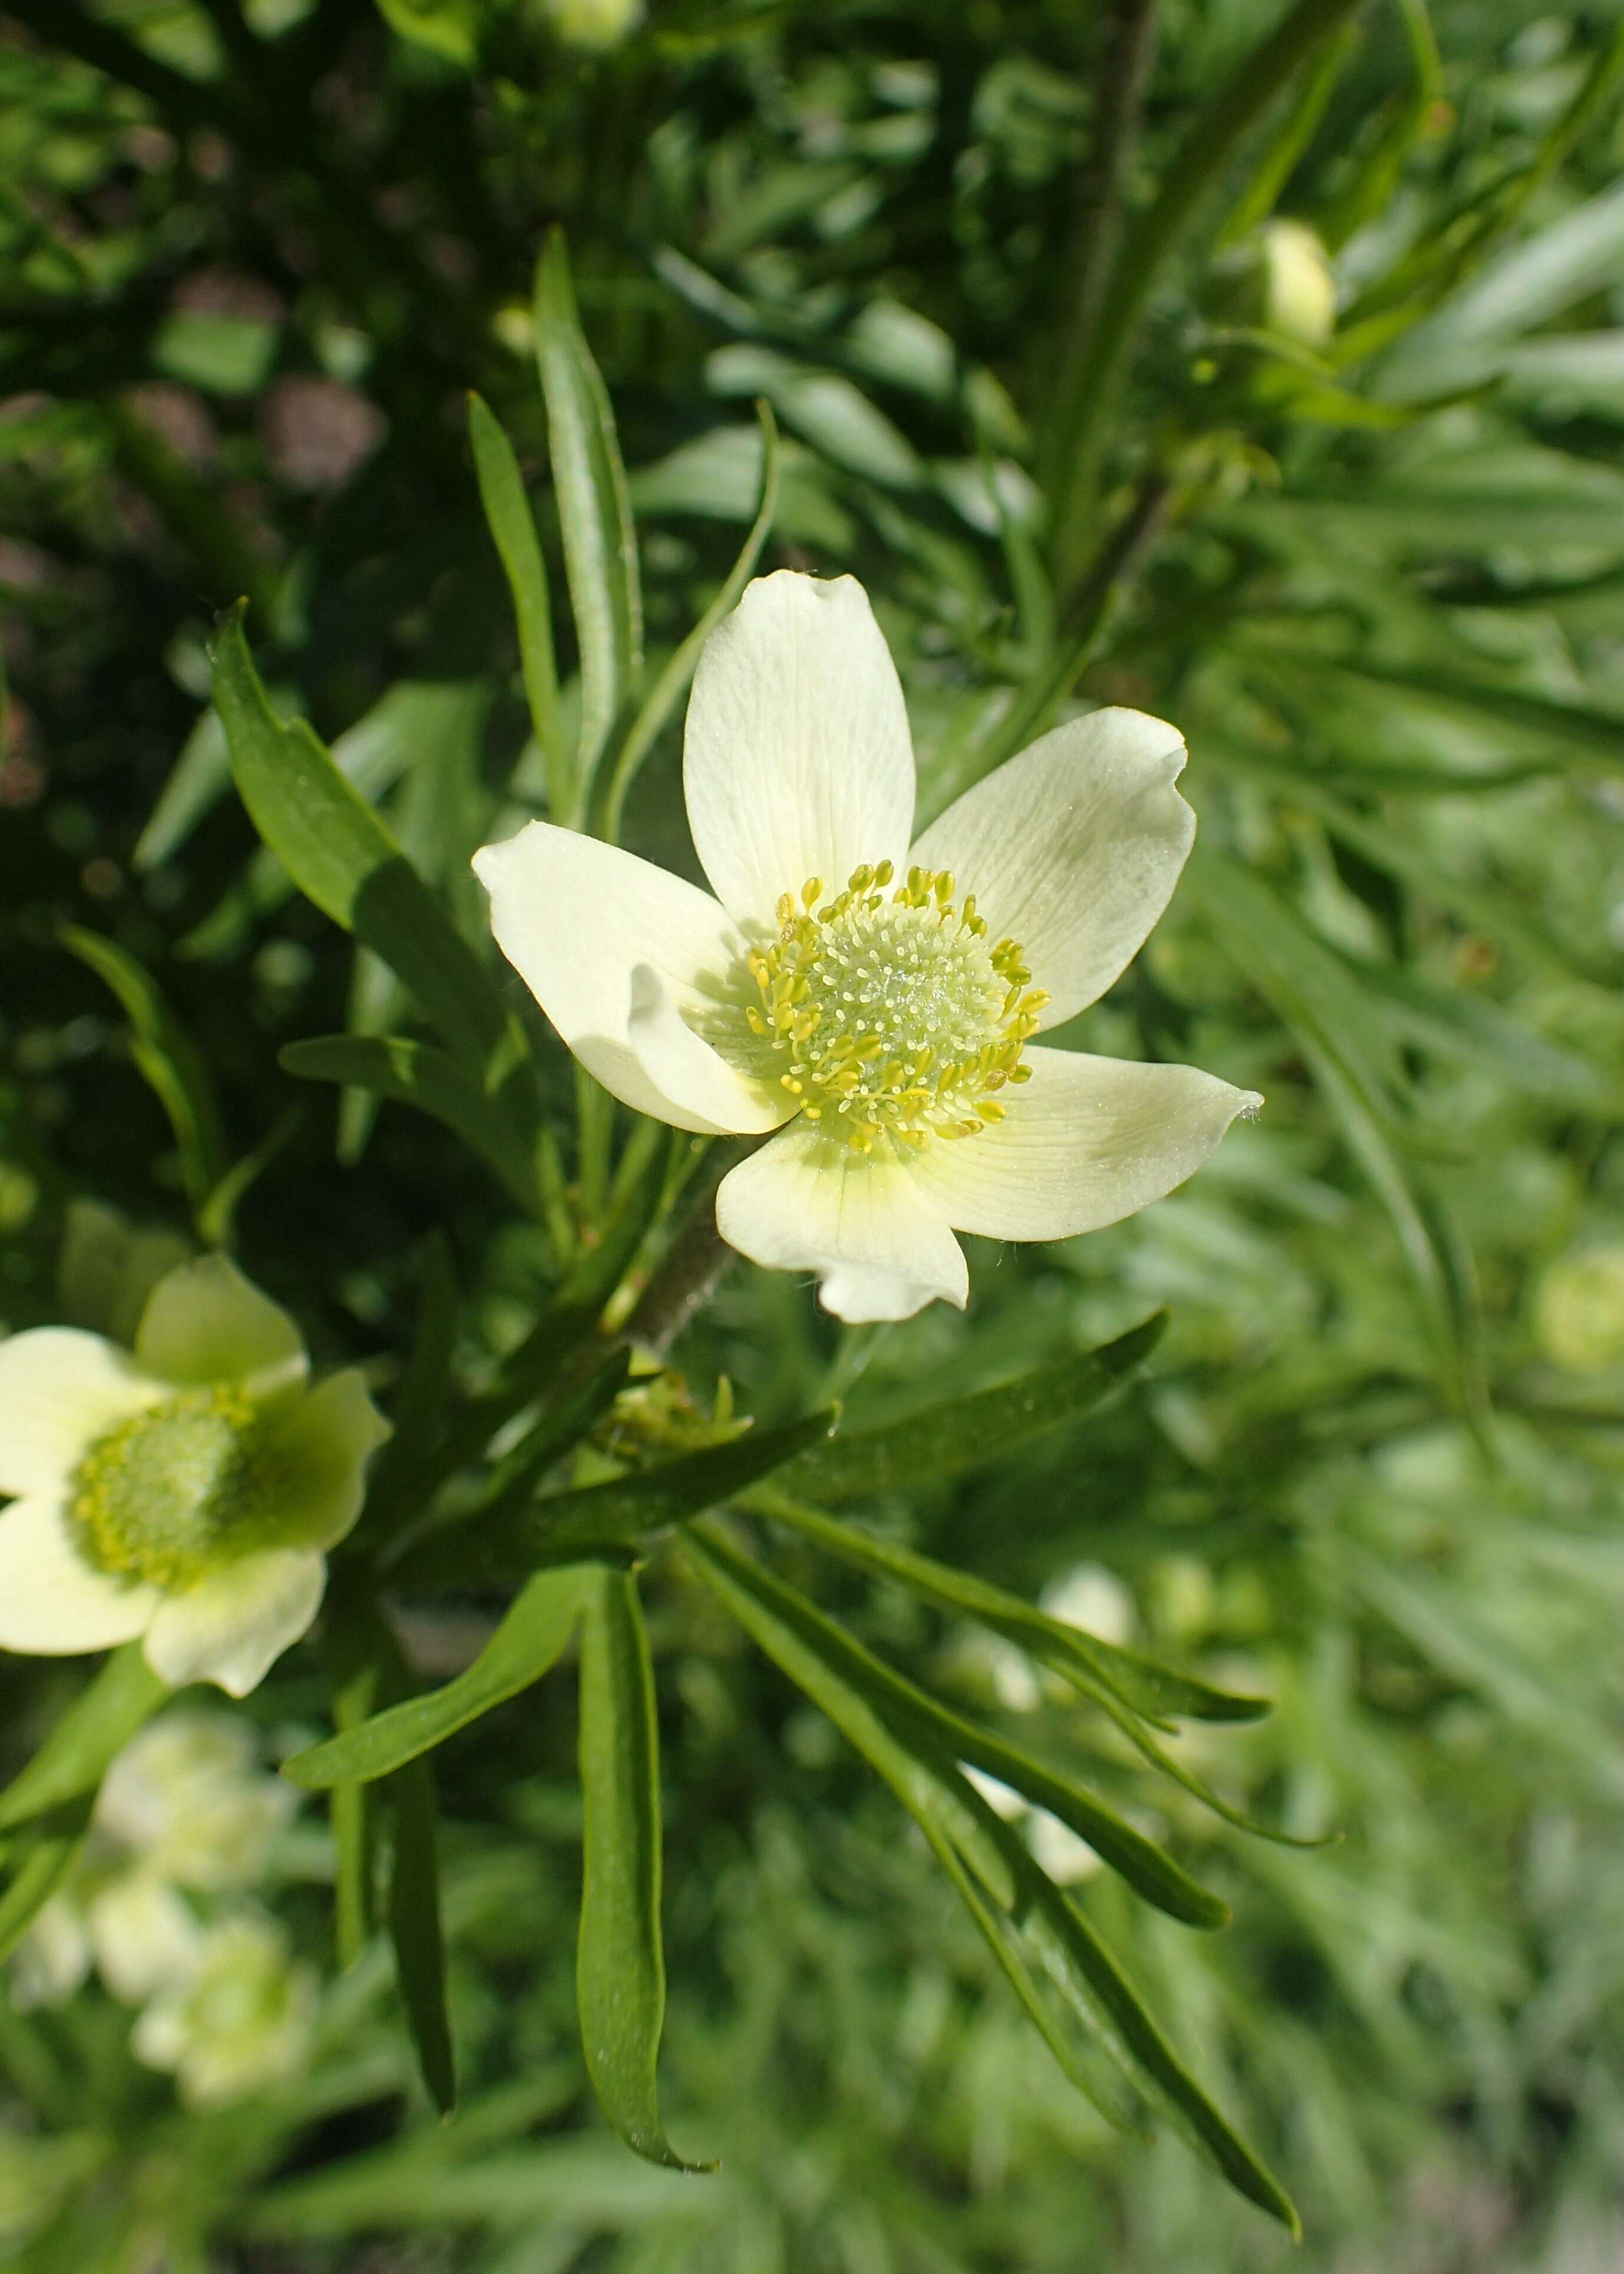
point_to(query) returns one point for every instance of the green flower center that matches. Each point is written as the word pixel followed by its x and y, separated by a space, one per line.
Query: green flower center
pixel 172 1492
pixel 887 1017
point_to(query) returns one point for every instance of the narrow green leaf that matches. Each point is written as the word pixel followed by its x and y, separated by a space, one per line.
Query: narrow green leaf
pixel 530 1639
pixel 173 1067
pixel 416 1074
pixel 513 531
pixel 962 1831
pixel 1404 853
pixel 1332 1024
pixel 1276 166
pixel 1476 1029
pixel 340 855
pixel 394 1479
pixel 122 1695
pixel 1578 732
pixel 1143 1685
pixel 621 1518
pixel 561 1425
pixel 620 1967
pixel 42 1869
pixel 415 1929
pixel 1062 1972
pixel 361 1667
pixel 199 778
pixel 939 1440
pixel 1074 1945
pixel 932 1730
pixel 216 1219
pixel 600 540
pixel 1376 176
pixel 672 682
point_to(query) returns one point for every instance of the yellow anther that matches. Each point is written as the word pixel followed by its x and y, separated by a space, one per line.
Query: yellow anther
pixel 812 891
pixel 884 873
pixel 944 887
pixel 989 1109
pixel 784 908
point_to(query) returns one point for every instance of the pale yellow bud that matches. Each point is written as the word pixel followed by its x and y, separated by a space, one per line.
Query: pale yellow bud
pixel 1299 292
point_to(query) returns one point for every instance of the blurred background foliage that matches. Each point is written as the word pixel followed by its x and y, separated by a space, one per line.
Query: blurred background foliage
pixel 1359 529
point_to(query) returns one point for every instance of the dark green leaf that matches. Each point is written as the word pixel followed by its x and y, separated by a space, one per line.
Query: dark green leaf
pixel 415 1929
pixel 199 777
pixel 531 1637
pixel 618 1518
pixel 1068 1983
pixel 342 857
pixel 122 1695
pixel 169 1058
pixel 513 530
pixel 941 1440
pixel 620 1971
pixel 931 1729
pixel 1140 1684
pixel 394 1481
pixel 1342 1037
pixel 416 1074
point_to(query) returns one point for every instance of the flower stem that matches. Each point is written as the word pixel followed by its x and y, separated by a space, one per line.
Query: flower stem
pixel 1145 251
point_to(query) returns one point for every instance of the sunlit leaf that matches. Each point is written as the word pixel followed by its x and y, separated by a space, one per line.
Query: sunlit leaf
pixel 600 540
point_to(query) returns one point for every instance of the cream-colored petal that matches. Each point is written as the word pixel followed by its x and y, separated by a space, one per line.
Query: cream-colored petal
pixel 684 1068
pixel 320 1451
pixel 806 1202
pixel 1085 1142
pixel 797 761
pixel 60 1388
pixel 576 918
pixel 53 1600
pixel 205 1323
pixel 1072 849
pixel 231 1628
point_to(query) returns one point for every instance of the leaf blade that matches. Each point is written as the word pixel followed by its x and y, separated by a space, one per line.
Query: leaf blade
pixel 532 1637
pixel 343 859
pixel 942 1439
pixel 620 1967
pixel 600 540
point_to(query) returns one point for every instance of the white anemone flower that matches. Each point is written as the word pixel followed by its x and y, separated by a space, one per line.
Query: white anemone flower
pixel 870 996
pixel 186 1492
pixel 239 2021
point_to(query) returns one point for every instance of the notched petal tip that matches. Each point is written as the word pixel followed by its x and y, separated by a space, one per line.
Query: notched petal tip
pixel 232 1626
pixel 880 1247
